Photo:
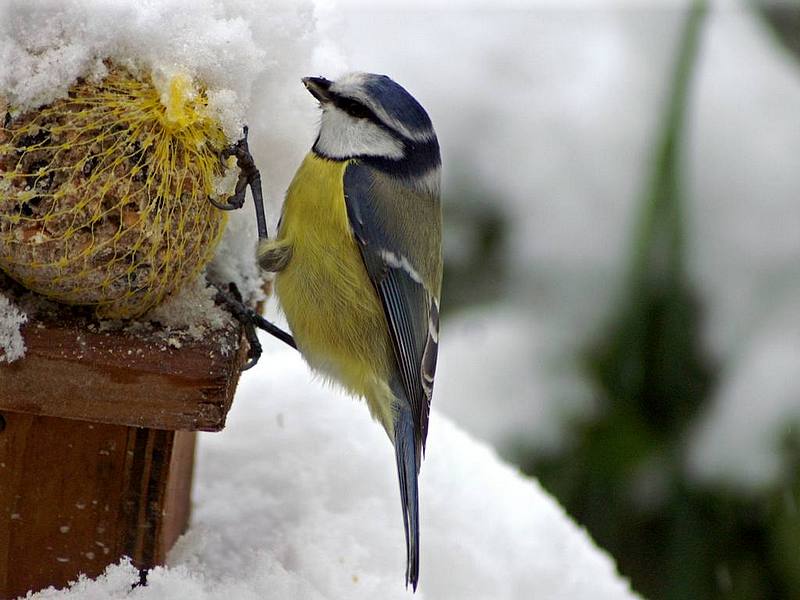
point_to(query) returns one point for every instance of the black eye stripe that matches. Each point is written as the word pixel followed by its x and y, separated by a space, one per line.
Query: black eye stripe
pixel 354 108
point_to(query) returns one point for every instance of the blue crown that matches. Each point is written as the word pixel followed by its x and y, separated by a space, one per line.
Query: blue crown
pixel 396 101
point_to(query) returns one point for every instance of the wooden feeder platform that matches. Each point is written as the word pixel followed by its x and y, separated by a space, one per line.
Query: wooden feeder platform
pixel 97 440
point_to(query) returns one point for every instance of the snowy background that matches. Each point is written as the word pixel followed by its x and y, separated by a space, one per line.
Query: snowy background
pixel 548 114
pixel 557 111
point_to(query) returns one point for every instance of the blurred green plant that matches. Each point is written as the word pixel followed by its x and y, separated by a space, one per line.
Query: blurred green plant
pixel 476 231
pixel 783 19
pixel 623 478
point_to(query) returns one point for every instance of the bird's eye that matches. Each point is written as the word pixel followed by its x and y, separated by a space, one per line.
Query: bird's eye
pixel 354 108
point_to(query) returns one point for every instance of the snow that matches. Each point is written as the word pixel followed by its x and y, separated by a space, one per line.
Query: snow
pixel 739 440
pixel 498 359
pixel 297 498
pixel 193 310
pixel 746 148
pixel 12 346
pixel 515 5
pixel 47 45
pixel 745 213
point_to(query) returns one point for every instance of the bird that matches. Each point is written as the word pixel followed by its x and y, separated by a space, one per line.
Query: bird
pixel 358 263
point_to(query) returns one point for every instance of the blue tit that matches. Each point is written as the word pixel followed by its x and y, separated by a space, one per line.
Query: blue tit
pixel 358 258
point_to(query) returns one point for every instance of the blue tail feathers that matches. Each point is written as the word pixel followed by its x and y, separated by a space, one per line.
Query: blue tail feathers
pixel 407 454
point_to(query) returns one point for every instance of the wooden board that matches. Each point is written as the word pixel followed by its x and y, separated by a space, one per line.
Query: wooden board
pixel 77 496
pixel 97 438
pixel 73 370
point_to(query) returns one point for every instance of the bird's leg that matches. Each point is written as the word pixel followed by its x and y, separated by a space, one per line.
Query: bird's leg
pixel 250 320
pixel 249 175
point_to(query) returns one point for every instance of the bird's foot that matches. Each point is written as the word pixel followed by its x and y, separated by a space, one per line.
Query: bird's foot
pixel 250 320
pixel 249 176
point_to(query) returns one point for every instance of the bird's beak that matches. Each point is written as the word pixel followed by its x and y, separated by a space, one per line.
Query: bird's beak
pixel 318 86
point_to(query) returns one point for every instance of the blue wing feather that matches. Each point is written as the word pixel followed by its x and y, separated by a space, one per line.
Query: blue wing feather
pixel 412 316
pixel 408 305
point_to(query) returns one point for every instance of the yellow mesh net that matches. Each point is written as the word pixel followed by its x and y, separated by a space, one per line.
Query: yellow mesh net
pixel 104 194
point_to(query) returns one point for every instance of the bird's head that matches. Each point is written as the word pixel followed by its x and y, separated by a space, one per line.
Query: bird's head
pixel 368 115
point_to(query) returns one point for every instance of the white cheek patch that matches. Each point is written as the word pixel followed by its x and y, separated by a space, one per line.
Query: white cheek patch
pixel 342 136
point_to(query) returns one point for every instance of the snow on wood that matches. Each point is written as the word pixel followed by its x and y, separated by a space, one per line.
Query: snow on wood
pixel 12 346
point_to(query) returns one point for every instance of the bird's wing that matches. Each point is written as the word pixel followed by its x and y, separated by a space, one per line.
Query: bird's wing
pixel 406 270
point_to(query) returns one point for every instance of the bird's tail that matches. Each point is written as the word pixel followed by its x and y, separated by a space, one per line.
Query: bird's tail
pixel 407 456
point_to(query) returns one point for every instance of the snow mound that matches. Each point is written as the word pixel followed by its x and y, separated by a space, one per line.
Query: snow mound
pixel 47 46
pixel 297 498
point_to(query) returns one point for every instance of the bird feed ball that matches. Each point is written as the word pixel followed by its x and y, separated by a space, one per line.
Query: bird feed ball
pixel 104 194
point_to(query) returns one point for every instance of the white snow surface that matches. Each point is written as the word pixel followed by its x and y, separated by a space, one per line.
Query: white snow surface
pixel 738 441
pixel 193 310
pixel 297 498
pixel 501 359
pixel 47 45
pixel 12 346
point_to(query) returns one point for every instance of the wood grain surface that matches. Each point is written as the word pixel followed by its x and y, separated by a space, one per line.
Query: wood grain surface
pixel 77 496
pixel 74 370
pixel 97 441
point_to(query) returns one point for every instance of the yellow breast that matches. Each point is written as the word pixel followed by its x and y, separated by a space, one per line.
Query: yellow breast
pixel 331 306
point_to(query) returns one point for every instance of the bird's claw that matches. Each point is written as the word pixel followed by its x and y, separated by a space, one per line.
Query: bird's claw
pixel 250 320
pixel 249 176
pixel 234 202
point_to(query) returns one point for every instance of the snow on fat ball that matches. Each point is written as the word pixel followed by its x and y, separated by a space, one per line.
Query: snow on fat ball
pixel 104 194
pixel 48 47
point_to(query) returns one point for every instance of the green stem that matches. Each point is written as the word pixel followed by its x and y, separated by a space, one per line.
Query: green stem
pixel 663 197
